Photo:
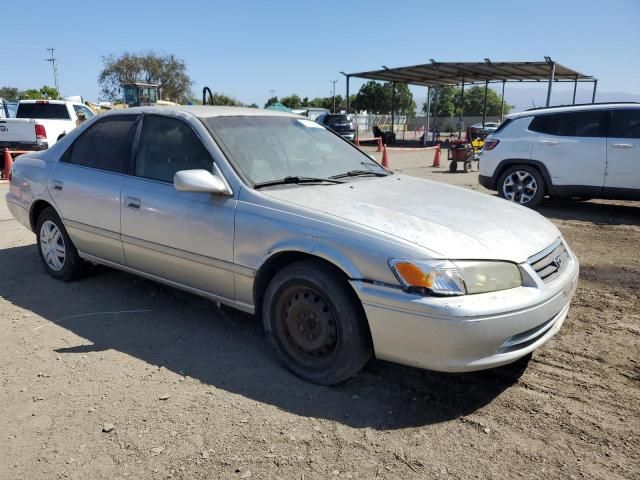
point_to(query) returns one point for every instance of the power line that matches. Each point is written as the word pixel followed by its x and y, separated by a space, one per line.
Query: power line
pixel 53 60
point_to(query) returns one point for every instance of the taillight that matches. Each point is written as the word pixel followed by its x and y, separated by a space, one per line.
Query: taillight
pixel 41 132
pixel 490 144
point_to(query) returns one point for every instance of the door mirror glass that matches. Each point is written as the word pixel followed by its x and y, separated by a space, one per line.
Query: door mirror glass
pixel 200 181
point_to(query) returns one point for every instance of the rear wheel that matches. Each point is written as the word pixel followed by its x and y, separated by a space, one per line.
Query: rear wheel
pixel 58 254
pixel 315 323
pixel 522 184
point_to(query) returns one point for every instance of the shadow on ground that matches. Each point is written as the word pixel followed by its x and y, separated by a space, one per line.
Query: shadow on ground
pixel 226 349
pixel 599 212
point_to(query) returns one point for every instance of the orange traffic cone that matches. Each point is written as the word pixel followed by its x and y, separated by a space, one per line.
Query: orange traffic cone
pixel 8 163
pixel 379 144
pixel 385 160
pixel 436 157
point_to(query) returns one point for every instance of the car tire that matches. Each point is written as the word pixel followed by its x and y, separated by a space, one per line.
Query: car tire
pixel 57 252
pixel 522 184
pixel 315 323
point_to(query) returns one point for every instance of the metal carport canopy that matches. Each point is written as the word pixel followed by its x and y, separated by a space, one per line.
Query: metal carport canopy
pixel 454 73
pixel 435 74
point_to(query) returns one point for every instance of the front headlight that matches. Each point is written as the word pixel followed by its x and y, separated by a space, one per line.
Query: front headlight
pixel 456 277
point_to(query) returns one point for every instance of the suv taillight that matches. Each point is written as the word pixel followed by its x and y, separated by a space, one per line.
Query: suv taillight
pixel 490 144
pixel 41 132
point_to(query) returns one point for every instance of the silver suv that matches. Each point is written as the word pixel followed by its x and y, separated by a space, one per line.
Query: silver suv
pixel 576 151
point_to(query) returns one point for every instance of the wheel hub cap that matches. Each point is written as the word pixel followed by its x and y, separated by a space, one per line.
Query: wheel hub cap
pixel 52 245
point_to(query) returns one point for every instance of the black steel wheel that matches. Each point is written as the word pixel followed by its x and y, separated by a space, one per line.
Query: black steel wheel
pixel 315 323
pixel 453 166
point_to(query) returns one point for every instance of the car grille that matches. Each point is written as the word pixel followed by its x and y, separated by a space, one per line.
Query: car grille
pixel 551 262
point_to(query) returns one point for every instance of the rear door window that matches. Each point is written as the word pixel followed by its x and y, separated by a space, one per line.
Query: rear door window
pixel 168 145
pixel 43 110
pixel 625 123
pixel 588 123
pixel 106 145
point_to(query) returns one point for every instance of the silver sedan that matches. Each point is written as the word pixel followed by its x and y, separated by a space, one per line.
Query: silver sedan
pixel 275 215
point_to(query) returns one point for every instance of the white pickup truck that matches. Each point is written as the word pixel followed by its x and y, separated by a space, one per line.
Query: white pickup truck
pixel 41 123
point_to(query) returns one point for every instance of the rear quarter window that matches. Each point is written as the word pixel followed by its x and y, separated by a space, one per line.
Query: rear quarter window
pixel 503 125
pixel 44 111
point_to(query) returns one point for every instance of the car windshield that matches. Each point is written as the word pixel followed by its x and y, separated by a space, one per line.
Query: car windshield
pixel 269 148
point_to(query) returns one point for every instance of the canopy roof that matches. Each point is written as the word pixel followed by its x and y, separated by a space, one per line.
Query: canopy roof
pixel 454 73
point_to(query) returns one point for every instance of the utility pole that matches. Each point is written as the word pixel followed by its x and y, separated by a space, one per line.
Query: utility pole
pixel 334 95
pixel 272 93
pixel 53 60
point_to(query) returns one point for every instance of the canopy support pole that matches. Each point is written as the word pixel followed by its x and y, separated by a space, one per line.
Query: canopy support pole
pixel 426 130
pixel 347 94
pixel 552 75
pixel 484 107
pixel 393 106
pixel 595 86
pixel 575 88
pixel 460 123
pixel 502 102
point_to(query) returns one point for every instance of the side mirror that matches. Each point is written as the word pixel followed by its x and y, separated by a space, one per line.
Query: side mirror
pixel 200 181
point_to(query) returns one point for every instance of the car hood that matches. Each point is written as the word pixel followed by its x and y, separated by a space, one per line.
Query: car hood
pixel 449 221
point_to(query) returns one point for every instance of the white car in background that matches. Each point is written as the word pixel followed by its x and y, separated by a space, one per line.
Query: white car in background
pixel 575 151
pixel 39 124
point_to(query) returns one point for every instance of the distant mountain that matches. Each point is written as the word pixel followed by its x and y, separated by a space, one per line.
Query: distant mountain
pixel 525 98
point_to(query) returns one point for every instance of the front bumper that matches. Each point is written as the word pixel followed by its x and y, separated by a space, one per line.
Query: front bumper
pixel 470 332
pixel 487 182
pixel 348 136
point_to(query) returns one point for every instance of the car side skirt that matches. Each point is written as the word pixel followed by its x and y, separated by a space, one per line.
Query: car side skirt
pixel 245 307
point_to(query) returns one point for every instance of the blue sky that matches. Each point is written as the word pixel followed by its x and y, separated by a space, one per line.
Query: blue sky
pixel 245 48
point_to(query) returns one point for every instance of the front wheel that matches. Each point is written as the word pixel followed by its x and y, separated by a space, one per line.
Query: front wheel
pixel 315 323
pixel 522 184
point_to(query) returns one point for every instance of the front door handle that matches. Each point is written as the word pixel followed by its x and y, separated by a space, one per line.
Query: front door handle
pixel 549 142
pixel 132 202
pixel 56 184
pixel 623 145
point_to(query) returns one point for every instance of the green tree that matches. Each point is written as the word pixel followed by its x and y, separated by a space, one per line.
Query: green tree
pixel 44 92
pixel 377 98
pixel 165 70
pixel 10 93
pixel 446 99
pixel 225 100
pixel 271 101
pixel 474 102
pixel 254 105
pixel 292 101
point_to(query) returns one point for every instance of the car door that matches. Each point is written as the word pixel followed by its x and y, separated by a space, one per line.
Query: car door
pixel 572 145
pixel 623 150
pixel 86 183
pixel 184 237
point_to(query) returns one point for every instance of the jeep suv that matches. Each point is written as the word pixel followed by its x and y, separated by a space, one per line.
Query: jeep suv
pixel 581 151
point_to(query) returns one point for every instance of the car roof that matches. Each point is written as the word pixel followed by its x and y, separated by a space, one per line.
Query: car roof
pixel 206 111
pixel 574 108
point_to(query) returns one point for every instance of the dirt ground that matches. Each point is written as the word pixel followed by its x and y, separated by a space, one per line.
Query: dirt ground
pixel 190 391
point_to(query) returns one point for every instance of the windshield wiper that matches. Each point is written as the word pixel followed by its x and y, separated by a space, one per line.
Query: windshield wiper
pixel 359 173
pixel 286 180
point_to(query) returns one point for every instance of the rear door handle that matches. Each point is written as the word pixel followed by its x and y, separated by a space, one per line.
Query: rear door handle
pixel 132 202
pixel 56 184
pixel 549 142
pixel 623 145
